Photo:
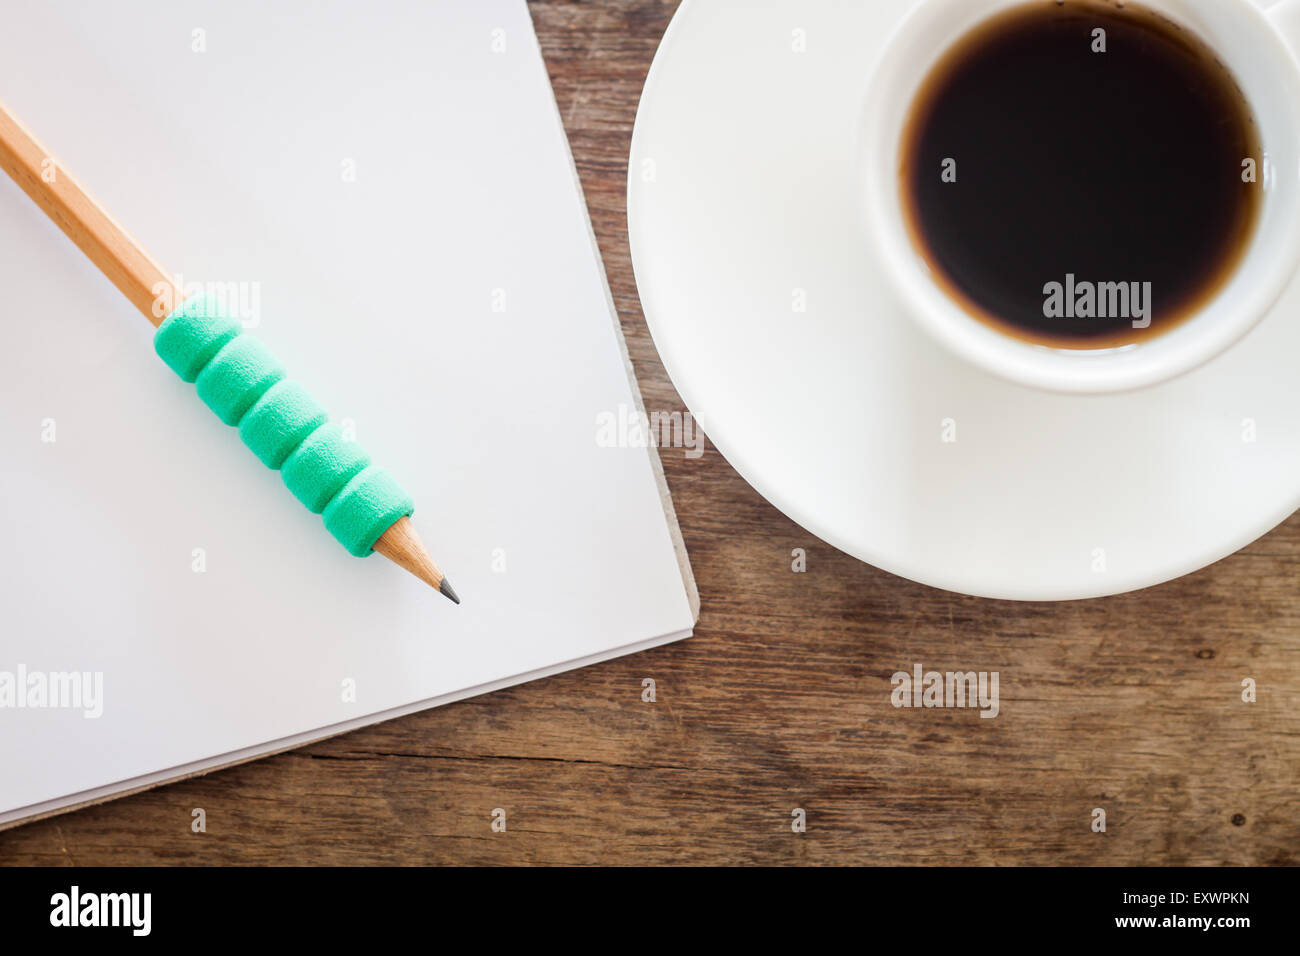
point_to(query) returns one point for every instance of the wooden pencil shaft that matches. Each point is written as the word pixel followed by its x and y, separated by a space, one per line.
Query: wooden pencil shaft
pixel 83 220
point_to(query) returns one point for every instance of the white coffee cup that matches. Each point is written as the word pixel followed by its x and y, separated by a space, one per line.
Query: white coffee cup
pixel 1257 46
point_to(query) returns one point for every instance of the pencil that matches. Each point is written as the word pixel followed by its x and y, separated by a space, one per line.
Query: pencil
pixel 351 497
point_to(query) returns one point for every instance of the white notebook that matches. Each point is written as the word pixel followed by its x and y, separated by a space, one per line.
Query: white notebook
pixel 386 192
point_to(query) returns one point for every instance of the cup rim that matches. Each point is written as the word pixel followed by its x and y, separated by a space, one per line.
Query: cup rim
pixel 911 55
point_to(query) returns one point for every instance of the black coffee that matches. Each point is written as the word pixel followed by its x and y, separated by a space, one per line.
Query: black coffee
pixel 1081 174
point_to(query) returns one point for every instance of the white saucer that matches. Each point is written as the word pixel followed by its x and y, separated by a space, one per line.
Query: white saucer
pixel 744 194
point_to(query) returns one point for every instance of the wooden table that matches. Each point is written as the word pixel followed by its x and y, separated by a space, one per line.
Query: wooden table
pixel 782 699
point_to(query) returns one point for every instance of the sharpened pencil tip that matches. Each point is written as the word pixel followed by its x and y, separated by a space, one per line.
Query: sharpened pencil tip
pixel 402 545
pixel 448 590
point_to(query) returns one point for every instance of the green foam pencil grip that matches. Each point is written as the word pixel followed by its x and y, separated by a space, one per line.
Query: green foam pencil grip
pixel 245 386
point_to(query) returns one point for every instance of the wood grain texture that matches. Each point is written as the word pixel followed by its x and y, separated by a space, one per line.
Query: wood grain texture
pixel 1131 704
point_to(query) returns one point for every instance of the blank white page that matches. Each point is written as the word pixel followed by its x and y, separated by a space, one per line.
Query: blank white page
pixel 392 179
